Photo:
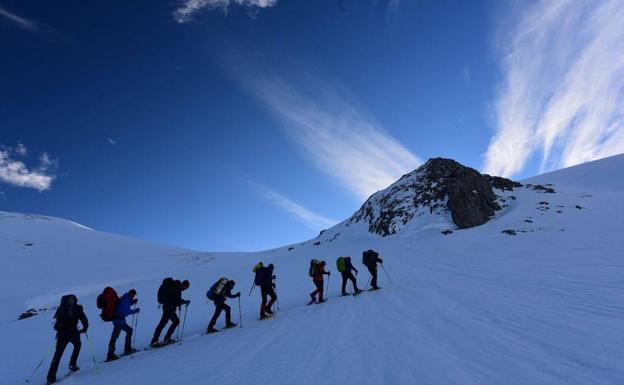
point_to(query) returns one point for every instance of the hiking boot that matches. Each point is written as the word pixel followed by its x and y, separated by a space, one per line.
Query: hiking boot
pixel 129 351
pixel 264 316
pixel 321 300
pixel 111 357
pixel 230 325
pixel 358 291
pixel 344 294
pixel 313 297
pixel 155 343
pixel 51 381
pixel 168 341
pixel 268 311
pixel 74 368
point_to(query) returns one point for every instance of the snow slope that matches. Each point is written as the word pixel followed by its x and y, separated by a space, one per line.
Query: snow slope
pixel 478 306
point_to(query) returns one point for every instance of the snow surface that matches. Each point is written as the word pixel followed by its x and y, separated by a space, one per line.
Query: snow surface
pixel 544 306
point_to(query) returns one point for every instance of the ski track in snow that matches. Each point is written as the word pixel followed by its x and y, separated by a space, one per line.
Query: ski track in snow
pixel 475 307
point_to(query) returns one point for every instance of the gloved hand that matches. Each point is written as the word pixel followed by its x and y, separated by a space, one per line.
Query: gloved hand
pixel 380 261
pixel 134 301
pixel 329 273
pixel 187 302
pixel 81 331
pixel 274 277
pixel 138 309
pixel 237 294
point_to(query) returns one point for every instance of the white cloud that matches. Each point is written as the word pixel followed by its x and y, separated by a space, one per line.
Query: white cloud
pixel 21 150
pixel 16 173
pixel 563 93
pixel 185 12
pixel 312 220
pixel 111 141
pixel 19 21
pixel 334 135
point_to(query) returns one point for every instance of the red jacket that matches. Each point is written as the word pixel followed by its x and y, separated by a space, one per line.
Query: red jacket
pixel 318 277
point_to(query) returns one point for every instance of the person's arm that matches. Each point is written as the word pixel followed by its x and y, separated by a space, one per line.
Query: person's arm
pixel 230 295
pixel 379 260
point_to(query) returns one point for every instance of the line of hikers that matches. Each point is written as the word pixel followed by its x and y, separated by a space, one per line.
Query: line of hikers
pixel 115 309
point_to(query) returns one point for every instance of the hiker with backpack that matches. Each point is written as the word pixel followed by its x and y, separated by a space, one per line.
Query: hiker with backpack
pixel 124 309
pixel 218 294
pixel 370 259
pixel 264 279
pixel 66 318
pixel 170 297
pixel 345 267
pixel 317 270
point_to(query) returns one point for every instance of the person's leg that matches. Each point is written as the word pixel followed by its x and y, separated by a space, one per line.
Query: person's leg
pixel 263 306
pixel 113 339
pixel 161 325
pixel 273 296
pixel 61 343
pixel 75 340
pixel 315 292
pixel 344 282
pixel 228 314
pixel 175 321
pixel 128 342
pixel 373 272
pixel 353 281
pixel 319 289
pixel 217 313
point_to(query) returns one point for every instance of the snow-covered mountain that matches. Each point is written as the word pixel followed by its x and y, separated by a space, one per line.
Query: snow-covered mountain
pixel 532 295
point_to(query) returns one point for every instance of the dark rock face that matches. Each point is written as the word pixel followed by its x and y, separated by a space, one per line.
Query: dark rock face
pixel 440 186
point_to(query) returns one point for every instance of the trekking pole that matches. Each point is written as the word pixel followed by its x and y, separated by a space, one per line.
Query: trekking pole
pixel 183 323
pixel 97 370
pixel 179 316
pixel 240 317
pixel 387 276
pixel 42 361
pixel 134 330
pixel 253 286
pixel 327 294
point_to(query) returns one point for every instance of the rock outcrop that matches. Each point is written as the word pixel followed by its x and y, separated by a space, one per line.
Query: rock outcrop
pixel 439 187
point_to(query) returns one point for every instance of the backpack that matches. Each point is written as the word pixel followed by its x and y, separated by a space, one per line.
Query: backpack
pixel 65 311
pixel 314 265
pixel 341 264
pixel 257 267
pixel 165 291
pixel 107 301
pixel 369 258
pixel 217 288
pixel 260 277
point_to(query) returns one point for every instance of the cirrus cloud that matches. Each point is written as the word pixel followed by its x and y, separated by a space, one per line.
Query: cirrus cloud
pixel 563 92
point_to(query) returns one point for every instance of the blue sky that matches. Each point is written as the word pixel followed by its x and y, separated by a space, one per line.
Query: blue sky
pixel 249 124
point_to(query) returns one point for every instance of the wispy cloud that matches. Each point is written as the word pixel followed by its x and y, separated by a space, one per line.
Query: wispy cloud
pixel 563 91
pixel 111 141
pixel 185 12
pixel 19 21
pixel 311 219
pixel 333 134
pixel 16 173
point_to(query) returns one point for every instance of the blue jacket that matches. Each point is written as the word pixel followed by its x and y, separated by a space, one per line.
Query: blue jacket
pixel 124 309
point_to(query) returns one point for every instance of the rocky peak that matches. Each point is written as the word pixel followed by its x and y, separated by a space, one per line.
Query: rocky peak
pixel 439 187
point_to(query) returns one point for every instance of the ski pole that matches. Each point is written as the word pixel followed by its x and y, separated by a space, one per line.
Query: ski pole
pixel 97 370
pixel 134 331
pixel 387 276
pixel 183 323
pixel 253 286
pixel 179 316
pixel 42 361
pixel 240 317
pixel 327 293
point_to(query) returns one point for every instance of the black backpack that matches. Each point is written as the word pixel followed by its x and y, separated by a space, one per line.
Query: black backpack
pixel 314 266
pixel 369 258
pixel 165 291
pixel 65 312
